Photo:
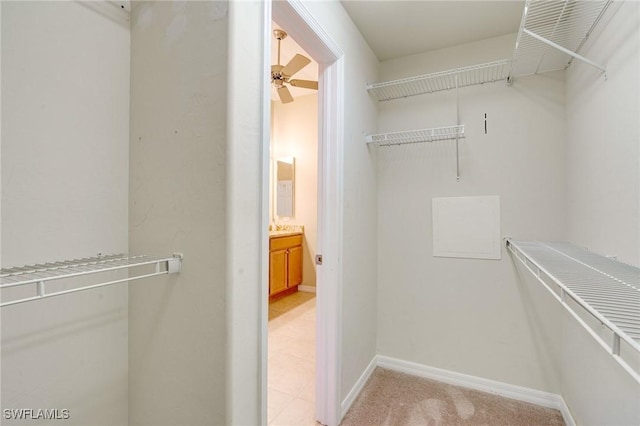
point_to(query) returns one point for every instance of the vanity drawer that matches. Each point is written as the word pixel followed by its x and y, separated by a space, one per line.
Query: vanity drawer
pixel 280 243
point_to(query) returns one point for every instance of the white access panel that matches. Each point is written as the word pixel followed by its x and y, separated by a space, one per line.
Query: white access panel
pixel 467 227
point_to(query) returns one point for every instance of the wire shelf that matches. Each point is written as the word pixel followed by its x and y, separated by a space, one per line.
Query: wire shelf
pixel 41 274
pixel 442 80
pixel 417 136
pixel 606 289
pixel 567 24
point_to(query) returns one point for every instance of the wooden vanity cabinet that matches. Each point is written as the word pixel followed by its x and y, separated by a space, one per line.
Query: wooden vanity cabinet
pixel 285 265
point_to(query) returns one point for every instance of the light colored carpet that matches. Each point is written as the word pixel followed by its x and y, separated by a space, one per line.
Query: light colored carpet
pixel 392 398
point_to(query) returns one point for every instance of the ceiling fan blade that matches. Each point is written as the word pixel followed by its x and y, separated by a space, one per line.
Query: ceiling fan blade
pixel 285 95
pixel 296 64
pixel 307 84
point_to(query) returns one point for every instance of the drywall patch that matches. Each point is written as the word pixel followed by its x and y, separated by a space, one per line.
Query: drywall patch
pixel 467 227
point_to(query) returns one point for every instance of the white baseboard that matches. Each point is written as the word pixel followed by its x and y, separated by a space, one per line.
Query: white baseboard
pixel 519 393
pixel 357 388
pixel 566 414
pixel 532 396
pixel 307 288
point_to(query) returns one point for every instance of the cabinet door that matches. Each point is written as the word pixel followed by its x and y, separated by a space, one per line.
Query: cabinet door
pixel 295 266
pixel 277 271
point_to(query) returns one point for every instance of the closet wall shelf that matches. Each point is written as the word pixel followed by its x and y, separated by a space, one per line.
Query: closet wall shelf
pixel 39 276
pixel 587 283
pixel 553 32
pixel 442 80
pixel 417 136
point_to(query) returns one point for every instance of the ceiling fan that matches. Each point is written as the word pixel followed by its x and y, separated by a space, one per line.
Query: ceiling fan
pixel 281 74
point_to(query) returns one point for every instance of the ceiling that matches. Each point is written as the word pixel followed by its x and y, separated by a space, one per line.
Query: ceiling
pixel 394 28
pixel 397 28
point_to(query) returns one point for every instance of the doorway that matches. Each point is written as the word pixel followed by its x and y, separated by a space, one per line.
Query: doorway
pixel 313 39
pixel 292 233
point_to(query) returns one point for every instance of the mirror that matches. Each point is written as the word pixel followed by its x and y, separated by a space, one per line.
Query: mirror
pixel 284 186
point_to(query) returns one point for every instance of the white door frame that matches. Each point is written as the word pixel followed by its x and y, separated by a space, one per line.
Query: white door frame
pixel 308 33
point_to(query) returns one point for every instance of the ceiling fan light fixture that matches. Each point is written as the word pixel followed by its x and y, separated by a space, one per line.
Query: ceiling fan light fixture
pixel 279 34
pixel 281 75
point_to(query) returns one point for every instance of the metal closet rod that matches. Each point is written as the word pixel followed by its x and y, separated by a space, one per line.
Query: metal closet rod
pixel 40 275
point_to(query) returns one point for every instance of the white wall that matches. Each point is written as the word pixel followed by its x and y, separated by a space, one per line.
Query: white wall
pixel 247 162
pixel 295 134
pixel 596 389
pixel 603 167
pixel 603 196
pixel 65 136
pixel 1 196
pixel 177 204
pixel 468 315
pixel 360 195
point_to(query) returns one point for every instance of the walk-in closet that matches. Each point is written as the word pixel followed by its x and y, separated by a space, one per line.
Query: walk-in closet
pixel 474 251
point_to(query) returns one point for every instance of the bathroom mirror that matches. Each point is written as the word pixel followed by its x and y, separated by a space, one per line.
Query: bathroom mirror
pixel 284 187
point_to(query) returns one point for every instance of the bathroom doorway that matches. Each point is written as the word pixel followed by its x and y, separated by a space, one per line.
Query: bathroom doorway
pixel 293 228
pixel 311 37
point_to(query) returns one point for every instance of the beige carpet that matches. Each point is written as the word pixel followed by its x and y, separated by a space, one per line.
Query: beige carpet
pixel 392 398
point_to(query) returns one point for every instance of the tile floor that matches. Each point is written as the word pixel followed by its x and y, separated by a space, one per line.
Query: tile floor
pixel 292 360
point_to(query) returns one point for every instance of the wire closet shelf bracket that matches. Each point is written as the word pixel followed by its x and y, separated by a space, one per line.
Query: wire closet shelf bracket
pixel 416 136
pixel 591 288
pixel 552 33
pixel 429 83
pixel 41 275
pixel 443 80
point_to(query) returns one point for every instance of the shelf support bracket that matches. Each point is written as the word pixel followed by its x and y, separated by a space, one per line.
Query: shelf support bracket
pixel 615 347
pixel 564 50
pixel 174 264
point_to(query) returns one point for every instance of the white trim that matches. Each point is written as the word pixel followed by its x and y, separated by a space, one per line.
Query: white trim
pixel 310 35
pixel 307 288
pixel 357 388
pixel 329 276
pixel 246 218
pixel 566 413
pixel 519 393
pixel 265 215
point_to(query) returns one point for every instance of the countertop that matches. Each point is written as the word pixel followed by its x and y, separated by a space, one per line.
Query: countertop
pixel 273 234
